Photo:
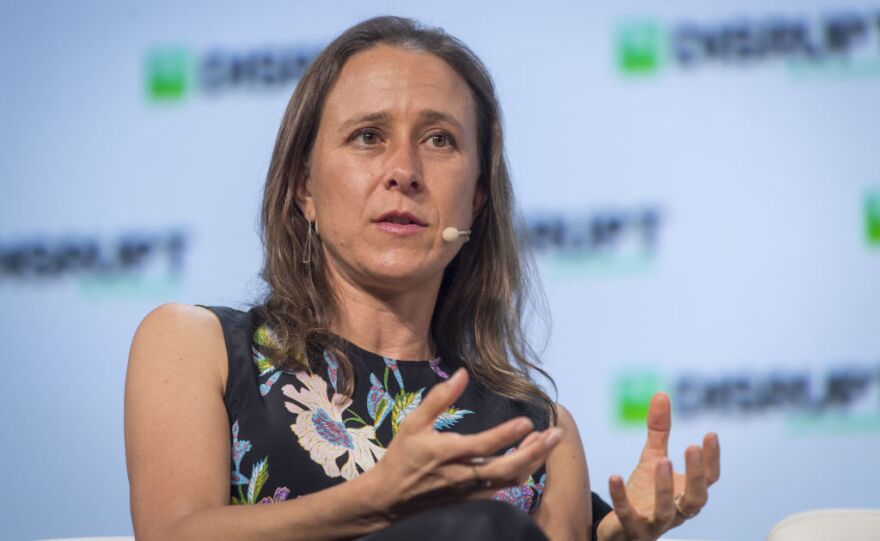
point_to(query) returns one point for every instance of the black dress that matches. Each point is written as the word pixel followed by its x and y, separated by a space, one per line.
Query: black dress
pixel 293 434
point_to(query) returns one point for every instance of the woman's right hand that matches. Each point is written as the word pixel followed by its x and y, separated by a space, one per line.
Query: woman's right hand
pixel 423 467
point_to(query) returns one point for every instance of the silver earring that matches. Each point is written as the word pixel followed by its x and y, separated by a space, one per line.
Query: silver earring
pixel 307 250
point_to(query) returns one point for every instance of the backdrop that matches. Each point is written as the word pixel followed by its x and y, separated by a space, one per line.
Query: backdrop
pixel 700 183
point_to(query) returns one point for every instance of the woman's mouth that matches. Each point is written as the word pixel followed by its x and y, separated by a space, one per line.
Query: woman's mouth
pixel 400 223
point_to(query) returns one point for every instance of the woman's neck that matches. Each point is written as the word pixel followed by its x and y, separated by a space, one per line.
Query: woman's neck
pixel 394 324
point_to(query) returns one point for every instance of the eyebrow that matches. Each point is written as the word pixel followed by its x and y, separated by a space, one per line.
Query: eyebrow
pixel 429 115
pixel 437 116
pixel 370 117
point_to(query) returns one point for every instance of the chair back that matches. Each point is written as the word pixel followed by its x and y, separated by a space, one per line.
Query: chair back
pixel 829 525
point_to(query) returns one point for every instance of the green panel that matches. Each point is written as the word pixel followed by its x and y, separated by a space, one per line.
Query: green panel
pixel 639 47
pixel 872 218
pixel 167 74
pixel 633 393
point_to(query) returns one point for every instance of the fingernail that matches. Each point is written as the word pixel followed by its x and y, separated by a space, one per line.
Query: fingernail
pixel 553 438
pixel 523 426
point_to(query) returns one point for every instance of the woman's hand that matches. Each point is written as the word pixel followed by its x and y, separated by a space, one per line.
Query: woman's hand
pixel 423 467
pixel 645 508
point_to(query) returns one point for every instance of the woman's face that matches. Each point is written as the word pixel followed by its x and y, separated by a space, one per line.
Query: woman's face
pixel 394 162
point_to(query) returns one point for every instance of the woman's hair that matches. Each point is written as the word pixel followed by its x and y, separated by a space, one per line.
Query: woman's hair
pixel 477 320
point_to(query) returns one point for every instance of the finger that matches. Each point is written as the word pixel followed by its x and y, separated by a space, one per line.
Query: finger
pixel 477 460
pixel 664 508
pixel 516 466
pixel 695 493
pixel 530 439
pixel 462 478
pixel 659 425
pixel 712 457
pixel 457 446
pixel 527 457
pixel 622 508
pixel 479 480
pixel 438 400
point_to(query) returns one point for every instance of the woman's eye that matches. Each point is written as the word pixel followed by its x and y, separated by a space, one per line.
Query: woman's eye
pixel 368 137
pixel 441 140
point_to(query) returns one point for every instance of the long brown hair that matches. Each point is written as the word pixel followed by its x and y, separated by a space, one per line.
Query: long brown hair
pixel 477 320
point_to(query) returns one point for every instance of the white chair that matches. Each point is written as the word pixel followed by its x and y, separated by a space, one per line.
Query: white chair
pixel 829 525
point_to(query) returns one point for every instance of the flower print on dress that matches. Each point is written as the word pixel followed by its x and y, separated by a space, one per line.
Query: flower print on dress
pixel 522 496
pixel 281 494
pixel 239 449
pixel 263 339
pixel 404 404
pixel 259 478
pixel 320 429
pixel 449 417
pixel 332 368
pixel 539 486
pixel 379 402
pixel 259 473
pixel 435 366
pixel 264 365
pixel 267 386
pixel 392 364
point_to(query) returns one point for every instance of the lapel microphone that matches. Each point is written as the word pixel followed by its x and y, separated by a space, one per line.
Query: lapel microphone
pixel 451 234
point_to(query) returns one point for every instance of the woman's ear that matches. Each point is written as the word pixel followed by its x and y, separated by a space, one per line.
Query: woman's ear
pixel 479 198
pixel 303 196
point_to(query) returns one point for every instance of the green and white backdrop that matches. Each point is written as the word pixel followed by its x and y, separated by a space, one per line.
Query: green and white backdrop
pixel 700 183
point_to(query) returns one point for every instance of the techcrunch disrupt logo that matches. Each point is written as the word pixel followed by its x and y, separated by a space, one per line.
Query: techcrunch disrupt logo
pixel 138 262
pixel 844 43
pixel 173 72
pixel 872 217
pixel 614 240
pixel 841 398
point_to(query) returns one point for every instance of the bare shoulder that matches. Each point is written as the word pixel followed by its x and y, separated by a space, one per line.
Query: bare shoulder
pixel 177 340
pixel 571 445
pixel 179 320
pixel 174 395
pixel 564 418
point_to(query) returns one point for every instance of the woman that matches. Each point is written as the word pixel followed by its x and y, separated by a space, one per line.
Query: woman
pixel 387 223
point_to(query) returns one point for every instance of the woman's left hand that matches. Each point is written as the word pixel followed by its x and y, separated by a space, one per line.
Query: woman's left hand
pixel 656 499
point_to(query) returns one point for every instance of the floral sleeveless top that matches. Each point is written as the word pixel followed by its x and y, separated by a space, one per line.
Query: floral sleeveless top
pixel 293 433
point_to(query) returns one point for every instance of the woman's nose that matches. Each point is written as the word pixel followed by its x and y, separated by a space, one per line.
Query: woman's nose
pixel 404 169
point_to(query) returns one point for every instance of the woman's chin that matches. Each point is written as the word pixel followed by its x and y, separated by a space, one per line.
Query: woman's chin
pixel 392 270
pixel 402 276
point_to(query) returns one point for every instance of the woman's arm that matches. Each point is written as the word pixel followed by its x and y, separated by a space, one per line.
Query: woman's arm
pixel 565 510
pixel 177 443
pixel 178 446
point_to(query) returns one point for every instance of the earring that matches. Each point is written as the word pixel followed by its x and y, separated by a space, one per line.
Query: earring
pixel 307 250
